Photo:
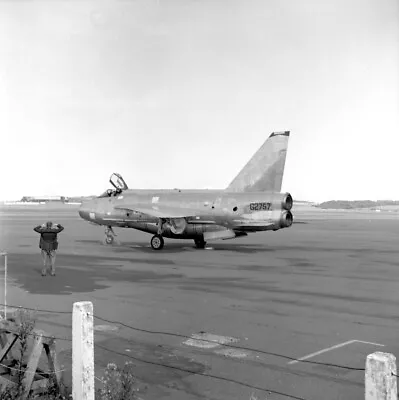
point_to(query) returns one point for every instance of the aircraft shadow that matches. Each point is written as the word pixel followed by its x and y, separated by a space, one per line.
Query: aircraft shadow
pixel 171 248
pixel 178 247
pixel 240 248
pixel 85 241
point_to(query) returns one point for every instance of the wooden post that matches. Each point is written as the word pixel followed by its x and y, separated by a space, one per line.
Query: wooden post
pixel 32 363
pixel 82 351
pixel 380 377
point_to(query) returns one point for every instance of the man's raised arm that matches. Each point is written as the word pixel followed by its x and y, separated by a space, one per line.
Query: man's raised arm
pixel 59 228
pixel 38 229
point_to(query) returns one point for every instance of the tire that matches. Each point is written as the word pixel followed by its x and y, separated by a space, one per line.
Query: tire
pixel 109 240
pixel 157 242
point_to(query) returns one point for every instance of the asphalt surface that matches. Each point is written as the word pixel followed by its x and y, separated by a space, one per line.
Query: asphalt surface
pixel 279 296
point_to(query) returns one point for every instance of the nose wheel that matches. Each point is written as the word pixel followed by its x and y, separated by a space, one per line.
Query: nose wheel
pixel 109 237
pixel 157 242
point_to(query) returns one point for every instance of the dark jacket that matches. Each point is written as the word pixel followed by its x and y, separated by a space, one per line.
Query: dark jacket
pixel 48 237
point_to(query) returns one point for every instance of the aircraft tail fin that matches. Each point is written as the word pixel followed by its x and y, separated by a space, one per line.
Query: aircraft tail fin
pixel 265 170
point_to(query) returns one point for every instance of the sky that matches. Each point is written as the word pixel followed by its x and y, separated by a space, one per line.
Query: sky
pixel 182 93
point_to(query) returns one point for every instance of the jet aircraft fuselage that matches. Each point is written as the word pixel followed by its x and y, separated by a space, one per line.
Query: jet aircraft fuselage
pixel 219 213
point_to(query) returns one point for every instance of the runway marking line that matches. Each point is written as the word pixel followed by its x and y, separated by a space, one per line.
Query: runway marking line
pixel 337 346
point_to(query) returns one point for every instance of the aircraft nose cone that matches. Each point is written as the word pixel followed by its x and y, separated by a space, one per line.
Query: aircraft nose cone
pixel 84 211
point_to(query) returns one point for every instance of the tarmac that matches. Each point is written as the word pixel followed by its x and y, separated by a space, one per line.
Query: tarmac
pixel 301 308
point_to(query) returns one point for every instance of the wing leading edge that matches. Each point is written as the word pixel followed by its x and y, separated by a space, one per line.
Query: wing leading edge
pixel 163 211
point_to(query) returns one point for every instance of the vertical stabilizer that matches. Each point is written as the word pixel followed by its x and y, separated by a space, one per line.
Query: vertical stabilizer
pixel 264 171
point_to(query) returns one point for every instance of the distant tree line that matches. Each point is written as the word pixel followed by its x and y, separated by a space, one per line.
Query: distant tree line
pixel 347 205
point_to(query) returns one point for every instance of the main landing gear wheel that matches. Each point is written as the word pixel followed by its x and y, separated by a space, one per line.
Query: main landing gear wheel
pixel 157 242
pixel 109 239
pixel 200 243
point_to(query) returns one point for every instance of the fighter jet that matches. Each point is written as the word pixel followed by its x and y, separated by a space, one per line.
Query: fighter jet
pixel 252 202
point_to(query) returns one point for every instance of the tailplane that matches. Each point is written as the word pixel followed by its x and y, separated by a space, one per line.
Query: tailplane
pixel 264 171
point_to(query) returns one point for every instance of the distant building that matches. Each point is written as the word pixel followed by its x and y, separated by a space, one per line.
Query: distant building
pixel 78 199
pixel 41 199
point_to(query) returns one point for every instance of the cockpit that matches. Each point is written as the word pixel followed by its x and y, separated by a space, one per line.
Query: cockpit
pixel 110 193
pixel 118 183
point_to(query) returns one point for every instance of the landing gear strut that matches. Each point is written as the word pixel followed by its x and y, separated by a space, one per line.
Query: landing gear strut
pixel 157 242
pixel 109 236
pixel 200 243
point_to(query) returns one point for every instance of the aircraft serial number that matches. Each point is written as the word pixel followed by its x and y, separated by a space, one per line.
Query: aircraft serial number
pixel 260 206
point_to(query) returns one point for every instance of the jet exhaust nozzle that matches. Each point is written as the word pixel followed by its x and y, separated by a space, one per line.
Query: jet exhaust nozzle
pixel 287 202
pixel 286 219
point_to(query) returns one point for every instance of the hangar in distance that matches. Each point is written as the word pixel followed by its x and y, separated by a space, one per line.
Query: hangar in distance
pixel 252 202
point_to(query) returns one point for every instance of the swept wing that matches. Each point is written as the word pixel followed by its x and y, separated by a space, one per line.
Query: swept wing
pixel 164 211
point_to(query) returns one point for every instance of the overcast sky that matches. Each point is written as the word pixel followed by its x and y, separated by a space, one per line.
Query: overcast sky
pixel 182 93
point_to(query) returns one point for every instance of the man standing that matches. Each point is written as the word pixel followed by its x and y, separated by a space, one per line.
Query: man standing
pixel 48 244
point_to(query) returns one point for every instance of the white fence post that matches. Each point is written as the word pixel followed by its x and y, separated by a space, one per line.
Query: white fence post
pixel 82 351
pixel 380 377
